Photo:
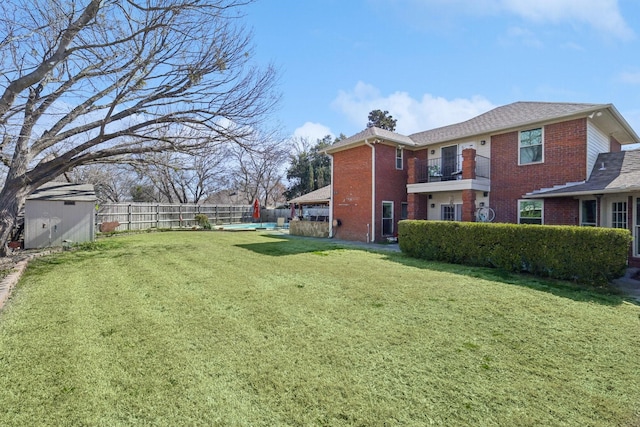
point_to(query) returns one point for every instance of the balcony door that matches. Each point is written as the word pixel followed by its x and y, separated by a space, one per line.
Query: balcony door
pixel 449 162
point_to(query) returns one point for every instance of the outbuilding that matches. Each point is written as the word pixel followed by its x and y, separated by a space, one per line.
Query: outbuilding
pixel 57 212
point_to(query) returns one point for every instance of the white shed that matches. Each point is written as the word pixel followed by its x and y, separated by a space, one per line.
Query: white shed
pixel 58 211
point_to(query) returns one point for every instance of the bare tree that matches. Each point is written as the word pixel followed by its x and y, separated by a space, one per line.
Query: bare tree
pixel 259 170
pixel 112 183
pixel 185 178
pixel 86 81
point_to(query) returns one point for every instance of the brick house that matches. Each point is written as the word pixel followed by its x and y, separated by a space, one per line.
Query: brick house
pixel 526 162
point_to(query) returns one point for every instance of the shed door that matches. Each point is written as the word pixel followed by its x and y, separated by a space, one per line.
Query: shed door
pixel 48 228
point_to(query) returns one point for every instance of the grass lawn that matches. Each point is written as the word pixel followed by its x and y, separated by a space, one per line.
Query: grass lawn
pixel 244 329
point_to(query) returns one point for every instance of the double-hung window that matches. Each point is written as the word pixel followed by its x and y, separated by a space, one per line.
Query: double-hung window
pixel 530 211
pixel 530 148
pixel 399 158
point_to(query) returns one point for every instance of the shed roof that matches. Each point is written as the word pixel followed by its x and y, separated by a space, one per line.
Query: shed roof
pixel 63 191
pixel 321 195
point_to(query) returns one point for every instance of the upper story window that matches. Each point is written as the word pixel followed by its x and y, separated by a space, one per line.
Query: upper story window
pixel 399 158
pixel 530 211
pixel 530 146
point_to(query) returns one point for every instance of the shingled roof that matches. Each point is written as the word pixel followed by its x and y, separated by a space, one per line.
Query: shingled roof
pixel 371 133
pixel 319 196
pixel 500 119
pixel 613 173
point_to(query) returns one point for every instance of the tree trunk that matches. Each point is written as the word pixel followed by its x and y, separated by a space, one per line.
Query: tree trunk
pixel 12 199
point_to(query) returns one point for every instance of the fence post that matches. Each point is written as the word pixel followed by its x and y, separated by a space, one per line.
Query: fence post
pixel 129 217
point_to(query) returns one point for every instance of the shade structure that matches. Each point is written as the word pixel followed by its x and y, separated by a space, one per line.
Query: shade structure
pixel 256 209
pixel 293 210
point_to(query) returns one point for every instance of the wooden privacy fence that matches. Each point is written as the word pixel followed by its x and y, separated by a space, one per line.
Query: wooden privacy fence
pixel 142 216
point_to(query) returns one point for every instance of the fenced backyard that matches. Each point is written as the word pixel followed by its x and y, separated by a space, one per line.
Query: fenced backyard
pixel 143 216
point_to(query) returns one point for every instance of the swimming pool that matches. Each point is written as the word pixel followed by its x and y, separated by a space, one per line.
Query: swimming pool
pixel 247 226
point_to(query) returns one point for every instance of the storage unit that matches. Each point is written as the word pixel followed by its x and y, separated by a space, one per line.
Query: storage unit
pixel 57 212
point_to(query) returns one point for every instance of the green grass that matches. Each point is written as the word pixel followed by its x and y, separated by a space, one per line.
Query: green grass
pixel 242 329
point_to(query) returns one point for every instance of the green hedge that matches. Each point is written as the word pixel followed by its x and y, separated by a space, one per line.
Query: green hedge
pixel 583 254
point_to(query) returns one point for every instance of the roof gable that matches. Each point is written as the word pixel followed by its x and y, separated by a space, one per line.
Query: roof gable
pixel 370 133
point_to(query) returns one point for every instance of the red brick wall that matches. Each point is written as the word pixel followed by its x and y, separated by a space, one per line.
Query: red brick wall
pixel 391 184
pixel 352 192
pixel 614 145
pixel 564 161
pixel 562 211
pixel 417 206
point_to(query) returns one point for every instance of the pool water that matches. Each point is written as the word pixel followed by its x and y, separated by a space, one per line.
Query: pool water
pixel 247 226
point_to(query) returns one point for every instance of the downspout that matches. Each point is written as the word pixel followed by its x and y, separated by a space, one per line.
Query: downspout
pixel 372 236
pixel 331 198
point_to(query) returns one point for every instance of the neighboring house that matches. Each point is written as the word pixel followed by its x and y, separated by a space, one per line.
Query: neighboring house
pixel 526 162
pixel 57 212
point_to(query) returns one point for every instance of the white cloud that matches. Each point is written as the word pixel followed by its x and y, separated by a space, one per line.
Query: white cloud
pixel 573 46
pixel 603 15
pixel 412 115
pixel 628 77
pixel 523 36
pixel 312 131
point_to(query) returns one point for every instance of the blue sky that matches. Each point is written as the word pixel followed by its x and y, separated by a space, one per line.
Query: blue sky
pixel 435 62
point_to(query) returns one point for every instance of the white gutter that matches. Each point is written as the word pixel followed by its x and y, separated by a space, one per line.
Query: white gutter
pixel 372 235
pixel 330 198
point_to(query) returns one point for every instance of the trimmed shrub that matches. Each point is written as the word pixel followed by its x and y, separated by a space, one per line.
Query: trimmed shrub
pixel 583 254
pixel 203 221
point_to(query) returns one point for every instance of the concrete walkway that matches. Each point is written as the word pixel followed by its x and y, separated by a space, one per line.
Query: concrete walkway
pixel 628 284
pixel 391 247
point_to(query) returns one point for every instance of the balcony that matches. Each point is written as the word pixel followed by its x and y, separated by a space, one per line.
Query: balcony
pixel 437 170
pixel 466 171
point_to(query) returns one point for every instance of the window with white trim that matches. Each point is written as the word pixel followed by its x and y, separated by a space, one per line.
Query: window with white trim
pixel 399 161
pixel 530 211
pixel 451 212
pixel 619 215
pixel 530 146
